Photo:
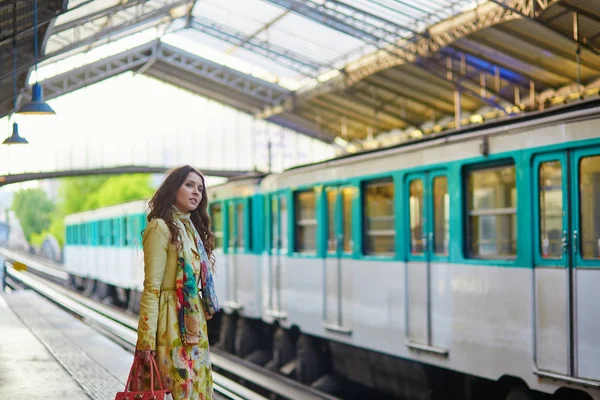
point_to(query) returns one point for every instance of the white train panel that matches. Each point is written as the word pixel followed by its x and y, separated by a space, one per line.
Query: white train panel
pixel 588 323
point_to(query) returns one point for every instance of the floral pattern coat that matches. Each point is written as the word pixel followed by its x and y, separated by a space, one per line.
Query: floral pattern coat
pixel 185 370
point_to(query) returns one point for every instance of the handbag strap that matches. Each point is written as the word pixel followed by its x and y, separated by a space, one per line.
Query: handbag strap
pixel 155 365
pixel 136 360
pixel 154 369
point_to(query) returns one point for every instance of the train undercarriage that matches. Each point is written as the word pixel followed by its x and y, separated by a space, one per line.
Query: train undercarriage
pixel 333 367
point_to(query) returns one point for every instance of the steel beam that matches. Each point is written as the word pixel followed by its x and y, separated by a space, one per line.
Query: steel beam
pixel 98 71
pixel 127 169
pixel 260 30
pixel 532 13
pixel 406 52
pixel 378 106
pixel 110 23
pixel 401 91
pixel 145 55
pixel 348 24
pixel 278 54
pixel 266 92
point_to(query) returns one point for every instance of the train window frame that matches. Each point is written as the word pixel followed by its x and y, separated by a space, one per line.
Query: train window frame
pixel 306 222
pixel 500 211
pixel 363 217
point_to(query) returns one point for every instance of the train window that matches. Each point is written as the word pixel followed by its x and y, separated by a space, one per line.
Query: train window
pixel 331 200
pixel 125 231
pixel 274 224
pixel 551 209
pixel 85 233
pixel 241 233
pixel 134 223
pixel 306 222
pixel 441 215
pixel 101 231
pixel 378 212
pixel 589 195
pixel 492 213
pixel 231 225
pixel 110 232
pixel 415 205
pixel 217 224
pixel 94 228
pixel 283 221
pixel 347 196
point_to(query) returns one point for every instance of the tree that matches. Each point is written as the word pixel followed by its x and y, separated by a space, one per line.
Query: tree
pixel 120 189
pixel 75 192
pixel 34 210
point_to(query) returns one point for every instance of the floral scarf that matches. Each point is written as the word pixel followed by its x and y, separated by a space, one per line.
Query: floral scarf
pixel 189 289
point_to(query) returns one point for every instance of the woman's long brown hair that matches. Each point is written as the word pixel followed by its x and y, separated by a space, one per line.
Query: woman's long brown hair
pixel 161 206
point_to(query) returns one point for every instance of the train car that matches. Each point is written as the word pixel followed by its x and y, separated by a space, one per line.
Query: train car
pixel 103 253
pixel 460 266
pixel 234 209
pixel 464 264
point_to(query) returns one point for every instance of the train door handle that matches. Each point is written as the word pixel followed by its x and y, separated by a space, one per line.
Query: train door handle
pixel 565 242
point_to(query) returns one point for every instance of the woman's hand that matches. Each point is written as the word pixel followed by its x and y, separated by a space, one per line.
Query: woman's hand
pixel 145 355
pixel 207 315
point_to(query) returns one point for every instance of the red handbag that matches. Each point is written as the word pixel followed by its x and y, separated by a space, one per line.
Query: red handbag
pixel 146 394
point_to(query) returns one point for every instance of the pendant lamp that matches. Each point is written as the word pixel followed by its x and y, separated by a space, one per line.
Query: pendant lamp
pixel 36 105
pixel 15 138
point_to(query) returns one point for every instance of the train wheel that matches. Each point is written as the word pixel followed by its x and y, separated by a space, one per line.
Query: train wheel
pixel 283 350
pixel 227 337
pixel 135 297
pixel 309 363
pixel 519 393
pixel 89 286
pixel 245 339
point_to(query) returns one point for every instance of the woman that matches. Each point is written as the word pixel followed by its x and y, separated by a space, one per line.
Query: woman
pixel 178 294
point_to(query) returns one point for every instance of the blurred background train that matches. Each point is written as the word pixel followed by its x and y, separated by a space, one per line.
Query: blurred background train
pixel 463 266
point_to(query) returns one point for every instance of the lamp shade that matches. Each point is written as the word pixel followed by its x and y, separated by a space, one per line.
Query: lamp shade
pixel 36 105
pixel 15 138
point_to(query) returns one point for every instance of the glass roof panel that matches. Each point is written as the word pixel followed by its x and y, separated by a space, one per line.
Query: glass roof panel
pixel 246 16
pixel 295 46
pixel 311 39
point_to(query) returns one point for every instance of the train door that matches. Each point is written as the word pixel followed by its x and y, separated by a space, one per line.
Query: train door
pixel 279 245
pixel 428 213
pixel 235 247
pixel 567 263
pixel 339 246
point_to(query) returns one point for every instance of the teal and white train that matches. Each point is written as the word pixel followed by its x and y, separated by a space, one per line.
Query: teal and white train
pixel 466 264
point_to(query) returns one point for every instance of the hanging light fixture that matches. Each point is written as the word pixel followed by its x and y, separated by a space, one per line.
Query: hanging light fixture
pixel 15 138
pixel 36 105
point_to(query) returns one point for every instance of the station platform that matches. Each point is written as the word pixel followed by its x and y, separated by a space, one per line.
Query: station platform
pixel 46 353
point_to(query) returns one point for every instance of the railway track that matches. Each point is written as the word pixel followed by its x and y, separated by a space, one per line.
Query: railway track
pixel 121 328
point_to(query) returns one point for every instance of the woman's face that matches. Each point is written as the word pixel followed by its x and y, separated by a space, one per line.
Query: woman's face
pixel 189 195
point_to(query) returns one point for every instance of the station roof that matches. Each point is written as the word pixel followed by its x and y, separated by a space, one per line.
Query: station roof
pixel 371 72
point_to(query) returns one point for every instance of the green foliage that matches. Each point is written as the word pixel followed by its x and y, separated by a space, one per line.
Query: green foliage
pixel 57 229
pixel 75 192
pixel 34 210
pixel 120 189
pixel 38 238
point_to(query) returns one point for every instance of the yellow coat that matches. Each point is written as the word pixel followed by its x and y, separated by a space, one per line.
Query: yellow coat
pixel 185 370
